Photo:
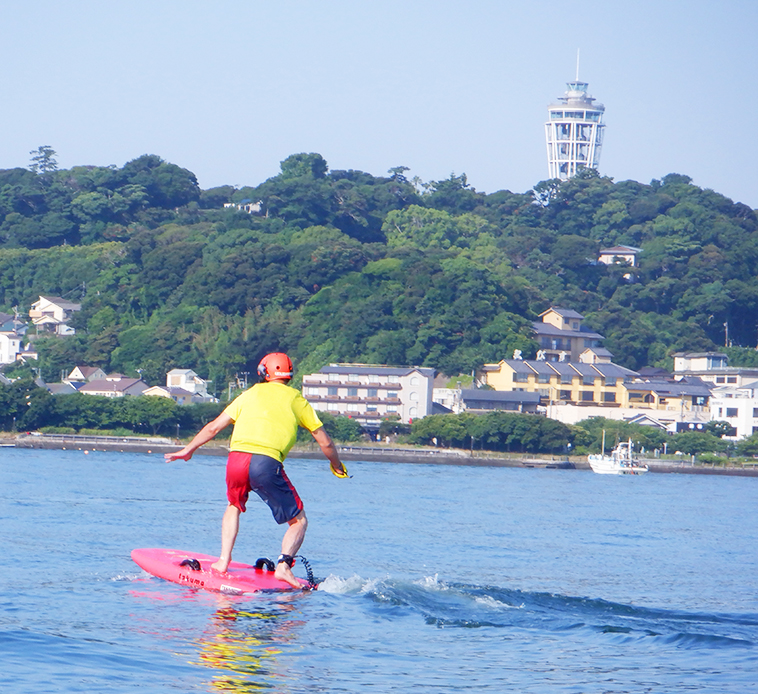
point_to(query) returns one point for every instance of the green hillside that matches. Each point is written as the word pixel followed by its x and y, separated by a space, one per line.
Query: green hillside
pixel 347 266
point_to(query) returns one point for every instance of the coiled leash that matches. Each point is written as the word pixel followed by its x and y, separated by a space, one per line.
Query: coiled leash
pixel 289 560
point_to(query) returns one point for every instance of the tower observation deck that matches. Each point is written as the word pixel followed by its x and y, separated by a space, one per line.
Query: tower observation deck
pixel 574 132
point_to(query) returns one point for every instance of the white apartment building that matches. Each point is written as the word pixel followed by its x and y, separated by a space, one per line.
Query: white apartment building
pixel 712 367
pixel 737 405
pixel 369 393
pixel 10 346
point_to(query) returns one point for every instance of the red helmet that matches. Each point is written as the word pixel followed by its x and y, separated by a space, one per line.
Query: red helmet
pixel 275 365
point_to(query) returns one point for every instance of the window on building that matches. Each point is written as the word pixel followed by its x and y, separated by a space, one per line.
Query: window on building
pixel 414 381
pixel 520 378
pixel 543 378
pixel 610 381
pixel 567 380
pixel 414 396
pixel 588 380
pixel 391 395
pixel 413 412
pixel 371 408
pixel 313 391
pixel 587 396
pixel 565 395
pixel 731 379
pixel 352 392
pixel 354 378
pixel 720 379
pixel 334 377
pixel 755 412
pixel 609 397
pixel 391 408
pixel 394 379
pixel 731 411
pixel 352 407
pixel 373 393
pixel 332 390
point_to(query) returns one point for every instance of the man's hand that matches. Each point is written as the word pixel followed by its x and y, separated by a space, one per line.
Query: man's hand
pixel 184 454
pixel 338 469
pixel 330 451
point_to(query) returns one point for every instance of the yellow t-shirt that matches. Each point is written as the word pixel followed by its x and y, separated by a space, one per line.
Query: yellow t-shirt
pixel 266 418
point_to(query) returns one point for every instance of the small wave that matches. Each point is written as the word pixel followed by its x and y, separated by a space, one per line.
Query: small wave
pixel 455 605
pixel 345 586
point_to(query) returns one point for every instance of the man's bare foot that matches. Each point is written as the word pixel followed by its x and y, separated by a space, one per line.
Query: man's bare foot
pixel 221 565
pixel 284 573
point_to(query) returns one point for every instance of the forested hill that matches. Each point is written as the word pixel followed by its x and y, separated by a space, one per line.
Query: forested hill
pixel 347 266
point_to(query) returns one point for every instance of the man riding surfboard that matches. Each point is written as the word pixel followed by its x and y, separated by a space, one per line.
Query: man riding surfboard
pixel 266 418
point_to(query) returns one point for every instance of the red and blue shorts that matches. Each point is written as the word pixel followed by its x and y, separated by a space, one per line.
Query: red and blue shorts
pixel 246 472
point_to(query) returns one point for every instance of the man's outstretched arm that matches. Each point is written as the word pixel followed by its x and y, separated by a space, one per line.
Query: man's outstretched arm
pixel 330 451
pixel 203 436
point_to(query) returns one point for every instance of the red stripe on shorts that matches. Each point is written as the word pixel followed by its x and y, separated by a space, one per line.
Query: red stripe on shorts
pixel 238 479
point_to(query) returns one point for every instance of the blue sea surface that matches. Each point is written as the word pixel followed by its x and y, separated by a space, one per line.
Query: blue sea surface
pixel 440 578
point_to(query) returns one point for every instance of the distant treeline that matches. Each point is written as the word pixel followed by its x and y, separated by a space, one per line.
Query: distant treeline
pixel 26 407
pixel 347 266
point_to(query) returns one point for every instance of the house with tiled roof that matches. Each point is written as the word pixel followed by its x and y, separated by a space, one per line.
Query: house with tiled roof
pixel 179 395
pixel 619 255
pixel 561 335
pixel 53 313
pixel 114 386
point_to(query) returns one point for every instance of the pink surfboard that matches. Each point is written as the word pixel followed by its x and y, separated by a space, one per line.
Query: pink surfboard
pixel 181 567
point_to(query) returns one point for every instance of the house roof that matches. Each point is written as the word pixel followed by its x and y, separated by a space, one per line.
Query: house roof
pixel 541 367
pixel 565 312
pixel 111 386
pixel 619 250
pixel 483 395
pixel 547 329
pixel 174 391
pixel 563 368
pixel 600 351
pixel 614 370
pixel 63 303
pixel 86 370
pixel 368 369
pixel 585 369
pixel 519 366
pixel 671 388
pixel 60 388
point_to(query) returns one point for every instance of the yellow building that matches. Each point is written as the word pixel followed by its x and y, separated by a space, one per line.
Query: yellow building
pixel 575 383
pixel 571 392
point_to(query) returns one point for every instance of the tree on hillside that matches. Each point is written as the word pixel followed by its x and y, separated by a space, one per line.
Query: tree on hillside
pixel 43 160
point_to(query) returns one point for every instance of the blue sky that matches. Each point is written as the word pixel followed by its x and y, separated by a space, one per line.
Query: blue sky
pixel 228 89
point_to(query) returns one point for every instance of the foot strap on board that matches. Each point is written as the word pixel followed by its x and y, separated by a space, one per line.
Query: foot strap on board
pixel 193 564
pixel 265 562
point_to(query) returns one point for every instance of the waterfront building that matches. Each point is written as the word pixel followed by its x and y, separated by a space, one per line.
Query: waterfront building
pixel 370 393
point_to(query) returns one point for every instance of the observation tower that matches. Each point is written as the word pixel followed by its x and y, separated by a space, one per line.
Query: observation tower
pixel 574 132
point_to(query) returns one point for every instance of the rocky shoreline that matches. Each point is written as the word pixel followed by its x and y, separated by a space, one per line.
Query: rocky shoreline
pixel 377 453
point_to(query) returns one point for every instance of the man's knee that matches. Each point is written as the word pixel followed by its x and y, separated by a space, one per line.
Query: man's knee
pixel 300 519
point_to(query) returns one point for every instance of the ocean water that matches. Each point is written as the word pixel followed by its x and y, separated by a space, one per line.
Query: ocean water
pixel 437 578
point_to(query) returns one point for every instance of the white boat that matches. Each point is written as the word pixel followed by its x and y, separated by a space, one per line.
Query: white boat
pixel 621 461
